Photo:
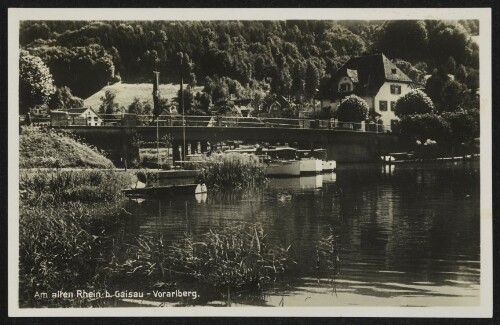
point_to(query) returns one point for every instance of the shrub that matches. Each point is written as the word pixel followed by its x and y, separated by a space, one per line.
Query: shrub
pixel 352 109
pixel 425 126
pixel 230 171
pixel 464 125
pixel 74 185
pixel 414 102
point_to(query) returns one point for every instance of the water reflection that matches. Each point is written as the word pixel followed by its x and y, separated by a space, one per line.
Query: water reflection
pixel 406 231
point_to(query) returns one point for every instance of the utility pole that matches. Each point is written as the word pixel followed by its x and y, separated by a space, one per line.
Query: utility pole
pixel 156 112
pixel 181 55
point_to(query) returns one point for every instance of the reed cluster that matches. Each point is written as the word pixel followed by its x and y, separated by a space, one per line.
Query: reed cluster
pixel 73 185
pixel 65 223
pixel 231 170
pixel 233 257
pixel 328 254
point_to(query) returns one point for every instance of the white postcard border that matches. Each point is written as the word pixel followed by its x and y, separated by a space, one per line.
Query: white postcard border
pixel 485 309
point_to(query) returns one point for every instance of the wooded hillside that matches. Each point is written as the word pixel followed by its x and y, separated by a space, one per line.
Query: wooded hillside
pixel 280 57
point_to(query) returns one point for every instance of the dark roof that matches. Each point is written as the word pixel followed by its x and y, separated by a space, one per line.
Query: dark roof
pixel 368 73
pixel 78 110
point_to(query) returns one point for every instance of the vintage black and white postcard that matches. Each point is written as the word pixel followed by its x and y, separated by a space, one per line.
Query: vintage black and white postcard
pixel 250 162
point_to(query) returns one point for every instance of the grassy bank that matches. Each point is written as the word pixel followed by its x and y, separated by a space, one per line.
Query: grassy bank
pixel 229 171
pixel 46 148
pixel 65 226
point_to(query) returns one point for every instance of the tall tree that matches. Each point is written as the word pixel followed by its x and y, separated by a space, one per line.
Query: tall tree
pixel 136 107
pixel 298 72
pixel 311 80
pixel 108 104
pixel 35 82
pixel 405 39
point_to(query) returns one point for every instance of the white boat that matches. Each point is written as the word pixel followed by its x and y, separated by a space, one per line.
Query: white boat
pixel 282 168
pixel 311 166
pixel 275 161
pixel 328 165
pixel 308 163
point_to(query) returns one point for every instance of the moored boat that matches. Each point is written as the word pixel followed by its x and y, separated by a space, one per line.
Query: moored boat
pixel 328 165
pixel 275 161
pixel 308 163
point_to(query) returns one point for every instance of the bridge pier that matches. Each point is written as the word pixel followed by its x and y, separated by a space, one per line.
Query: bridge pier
pixel 176 150
pixel 203 146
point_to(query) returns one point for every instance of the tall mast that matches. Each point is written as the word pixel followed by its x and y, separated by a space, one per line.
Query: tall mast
pixel 156 111
pixel 182 106
pixel 156 94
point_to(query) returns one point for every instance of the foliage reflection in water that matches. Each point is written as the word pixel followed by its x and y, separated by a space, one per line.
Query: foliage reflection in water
pixel 405 235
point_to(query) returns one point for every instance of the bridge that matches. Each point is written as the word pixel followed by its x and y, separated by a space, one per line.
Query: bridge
pixel 347 142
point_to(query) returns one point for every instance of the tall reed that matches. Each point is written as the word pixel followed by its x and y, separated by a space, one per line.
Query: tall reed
pixel 237 256
pixel 231 170
pixel 64 225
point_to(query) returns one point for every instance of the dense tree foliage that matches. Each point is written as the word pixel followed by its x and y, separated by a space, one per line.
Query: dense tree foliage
pixel 272 52
pixel 84 69
pixel 422 127
pixel 352 109
pixel 64 99
pixel 250 58
pixel 464 125
pixel 414 102
pixel 404 39
pixel 35 82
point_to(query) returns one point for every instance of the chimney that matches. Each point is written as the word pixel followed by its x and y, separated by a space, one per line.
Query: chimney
pixel 156 94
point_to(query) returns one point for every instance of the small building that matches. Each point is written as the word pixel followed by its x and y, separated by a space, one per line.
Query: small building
pixel 76 116
pixel 374 78
pixel 243 106
pixel 275 107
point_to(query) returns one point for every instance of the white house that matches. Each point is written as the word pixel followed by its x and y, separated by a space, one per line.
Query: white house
pixel 372 77
pixel 76 116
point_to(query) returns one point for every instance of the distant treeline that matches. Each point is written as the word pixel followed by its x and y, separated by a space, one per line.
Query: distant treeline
pixel 284 57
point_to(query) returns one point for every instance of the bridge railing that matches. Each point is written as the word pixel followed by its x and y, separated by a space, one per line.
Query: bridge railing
pixel 234 121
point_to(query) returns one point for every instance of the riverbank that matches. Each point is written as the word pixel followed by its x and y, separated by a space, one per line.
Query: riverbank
pixel 65 221
pixel 47 148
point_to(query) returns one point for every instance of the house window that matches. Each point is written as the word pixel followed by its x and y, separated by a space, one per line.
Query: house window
pixel 396 89
pixel 95 118
pixel 344 87
pixel 393 70
pixel 89 118
pixel 382 105
pixel 393 106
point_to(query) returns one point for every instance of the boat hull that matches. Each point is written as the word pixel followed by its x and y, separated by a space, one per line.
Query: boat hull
pixel 329 165
pixel 283 168
pixel 311 166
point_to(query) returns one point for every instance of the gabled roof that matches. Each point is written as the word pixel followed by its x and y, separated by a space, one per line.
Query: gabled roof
pixel 353 74
pixel 79 110
pixel 368 72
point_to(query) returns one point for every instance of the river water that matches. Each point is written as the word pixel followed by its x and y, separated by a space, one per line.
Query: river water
pixel 408 234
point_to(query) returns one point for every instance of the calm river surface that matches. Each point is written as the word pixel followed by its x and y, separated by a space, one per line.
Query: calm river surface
pixel 408 234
